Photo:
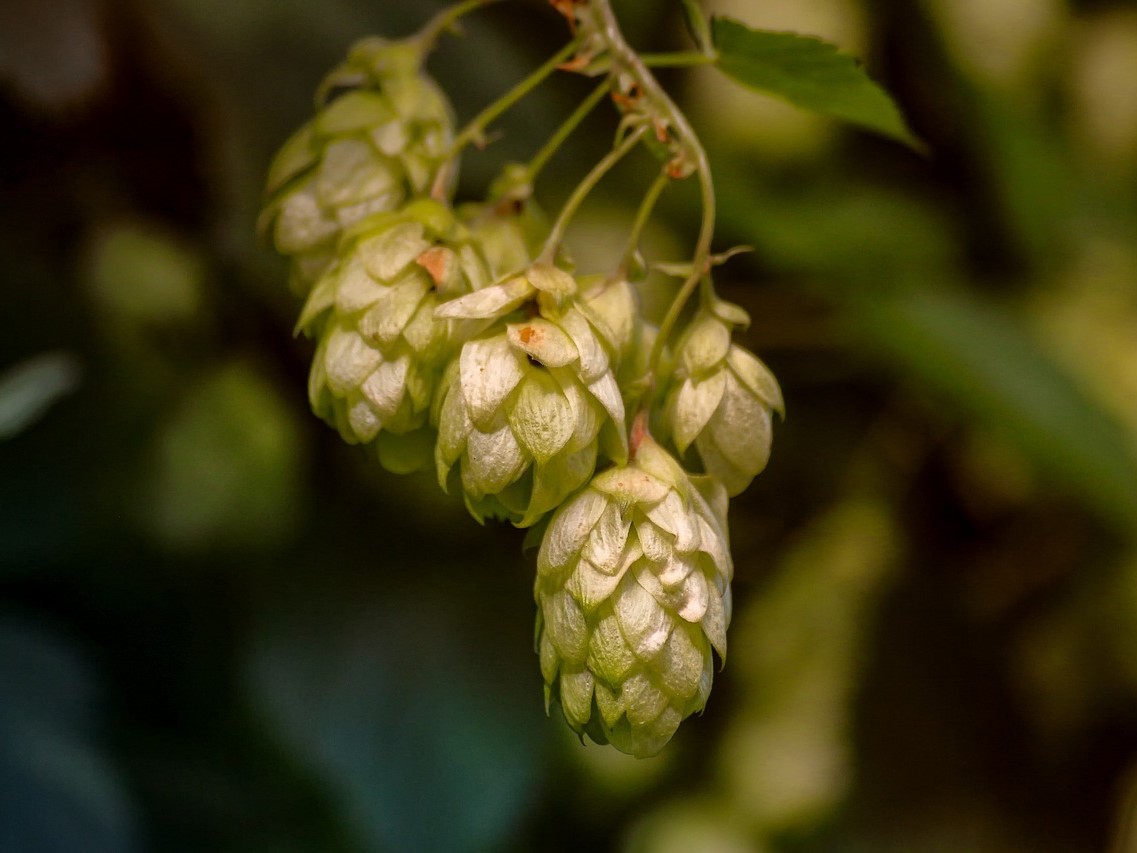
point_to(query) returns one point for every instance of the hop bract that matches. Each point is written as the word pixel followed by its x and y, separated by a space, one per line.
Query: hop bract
pixel 633 593
pixel 381 134
pixel 529 404
pixel 381 350
pixel 722 399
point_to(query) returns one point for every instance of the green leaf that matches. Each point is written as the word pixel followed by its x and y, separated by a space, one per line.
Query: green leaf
pixel 809 73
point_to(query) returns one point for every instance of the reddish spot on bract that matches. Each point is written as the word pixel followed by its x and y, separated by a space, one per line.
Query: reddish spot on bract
pixel 435 262
pixel 527 334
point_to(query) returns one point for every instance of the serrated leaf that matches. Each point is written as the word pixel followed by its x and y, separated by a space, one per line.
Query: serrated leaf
pixel 809 73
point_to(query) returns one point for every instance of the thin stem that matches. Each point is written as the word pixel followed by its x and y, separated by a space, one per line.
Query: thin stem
pixel 698 271
pixel 677 60
pixel 445 19
pixel 475 129
pixel 542 157
pixel 624 58
pixel 641 220
pixel 557 233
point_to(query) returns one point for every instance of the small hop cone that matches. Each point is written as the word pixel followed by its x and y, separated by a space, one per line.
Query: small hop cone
pixel 530 404
pixel 381 351
pixel 633 594
pixel 722 399
pixel 381 135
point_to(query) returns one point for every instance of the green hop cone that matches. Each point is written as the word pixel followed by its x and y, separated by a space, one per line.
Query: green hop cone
pixel 721 399
pixel 381 134
pixel 381 351
pixel 614 306
pixel 633 593
pixel 531 403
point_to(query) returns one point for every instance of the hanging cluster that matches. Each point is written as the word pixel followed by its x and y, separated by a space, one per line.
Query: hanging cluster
pixel 458 339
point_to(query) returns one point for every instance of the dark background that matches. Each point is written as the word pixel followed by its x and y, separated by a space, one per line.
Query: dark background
pixel 223 629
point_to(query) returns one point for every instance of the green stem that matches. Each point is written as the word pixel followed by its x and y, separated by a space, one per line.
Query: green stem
pixel 475 129
pixel 444 20
pixel 677 60
pixel 698 272
pixel 557 233
pixel 626 60
pixel 542 157
pixel 640 222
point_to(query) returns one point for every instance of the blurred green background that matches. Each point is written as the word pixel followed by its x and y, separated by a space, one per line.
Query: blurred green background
pixel 223 629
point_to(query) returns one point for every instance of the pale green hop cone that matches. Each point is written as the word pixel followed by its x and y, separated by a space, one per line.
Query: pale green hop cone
pixel 633 595
pixel 722 399
pixel 380 349
pixel 381 135
pixel 530 404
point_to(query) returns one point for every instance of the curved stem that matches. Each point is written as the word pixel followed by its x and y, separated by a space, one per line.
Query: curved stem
pixel 698 272
pixel 542 157
pixel 640 222
pixel 476 127
pixel 625 59
pixel 557 233
pixel 445 19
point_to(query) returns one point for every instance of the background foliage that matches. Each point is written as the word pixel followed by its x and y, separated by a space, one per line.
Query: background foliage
pixel 221 629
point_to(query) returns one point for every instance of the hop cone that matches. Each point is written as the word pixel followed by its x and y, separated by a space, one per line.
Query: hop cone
pixel 528 406
pixel 380 135
pixel 722 399
pixel 380 350
pixel 633 593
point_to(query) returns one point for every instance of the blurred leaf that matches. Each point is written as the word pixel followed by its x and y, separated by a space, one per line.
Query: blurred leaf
pixel 58 791
pixel 417 727
pixel 29 389
pixel 141 277
pixel 975 355
pixel 808 73
pixel 227 467
pixel 787 754
pixel 852 230
pixel 706 826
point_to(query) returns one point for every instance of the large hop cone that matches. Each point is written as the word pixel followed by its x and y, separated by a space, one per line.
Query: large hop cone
pixel 633 593
pixel 529 405
pixel 381 350
pixel 721 399
pixel 380 135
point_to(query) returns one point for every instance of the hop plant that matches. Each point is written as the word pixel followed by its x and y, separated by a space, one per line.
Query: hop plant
pixel 633 594
pixel 528 406
pixel 380 348
pixel 455 337
pixel 722 399
pixel 381 134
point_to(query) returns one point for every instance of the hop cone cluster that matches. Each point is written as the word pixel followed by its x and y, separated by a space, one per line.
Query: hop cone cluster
pixel 722 399
pixel 633 594
pixel 441 342
pixel 380 135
